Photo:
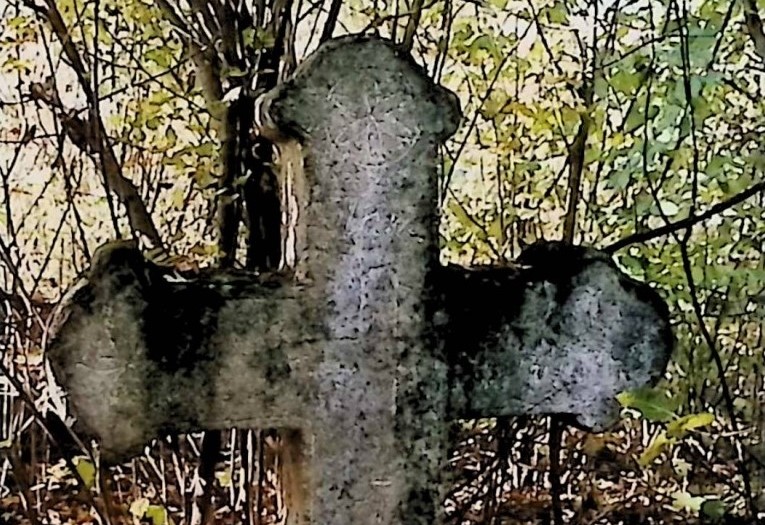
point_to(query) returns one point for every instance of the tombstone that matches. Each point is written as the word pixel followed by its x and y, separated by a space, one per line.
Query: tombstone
pixel 370 347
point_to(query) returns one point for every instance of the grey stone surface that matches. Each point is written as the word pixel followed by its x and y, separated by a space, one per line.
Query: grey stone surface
pixel 370 347
pixel 562 335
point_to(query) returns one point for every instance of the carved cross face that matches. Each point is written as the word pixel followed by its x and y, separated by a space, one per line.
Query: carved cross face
pixel 378 347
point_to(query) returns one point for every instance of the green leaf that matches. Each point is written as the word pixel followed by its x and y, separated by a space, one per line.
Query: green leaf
pixel 483 43
pixel 716 166
pixel 653 404
pixel 601 87
pixel 248 37
pixel 643 202
pixel 162 56
pixel 86 470
pixel 636 118
pixel 713 508
pixel 756 160
pixel 570 117
pixel 695 87
pixel 558 13
pixel 171 136
pixel 733 185
pixel 264 38
pixel 17 22
pixel 495 229
pixel 175 160
pixel 619 179
pixel 685 125
pixel 680 427
pixel 233 72
pixel 682 500
pixel 158 515
pixel 224 478
pixel 635 266
pixel 153 123
pixel 626 81
pixel 464 219
pixel 14 64
pixel 669 208
pixel 206 149
pixel 681 467
pixel 655 449
pixel 138 507
pixel 204 177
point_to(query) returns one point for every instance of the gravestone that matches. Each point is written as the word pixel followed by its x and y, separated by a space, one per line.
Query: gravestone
pixel 370 347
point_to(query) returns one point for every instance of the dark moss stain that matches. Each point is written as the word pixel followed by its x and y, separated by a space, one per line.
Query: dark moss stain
pixel 420 503
pixel 276 366
pixel 178 322
pixel 477 304
pixel 558 262
pixel 177 319
pixel 480 302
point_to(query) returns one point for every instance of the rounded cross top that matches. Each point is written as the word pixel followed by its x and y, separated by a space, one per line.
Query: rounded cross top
pixel 355 84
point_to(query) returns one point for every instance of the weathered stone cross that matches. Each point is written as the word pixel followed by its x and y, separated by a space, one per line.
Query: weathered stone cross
pixel 371 346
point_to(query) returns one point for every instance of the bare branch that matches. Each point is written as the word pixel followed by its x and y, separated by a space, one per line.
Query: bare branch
pixel 95 135
pixel 754 25
pixel 576 161
pixel 329 26
pixel 688 221
pixel 411 26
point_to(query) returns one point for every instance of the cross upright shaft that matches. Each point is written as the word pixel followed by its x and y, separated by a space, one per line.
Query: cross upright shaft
pixel 370 120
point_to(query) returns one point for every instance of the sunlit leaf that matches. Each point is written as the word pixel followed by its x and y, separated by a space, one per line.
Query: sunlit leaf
pixel 682 500
pixel 224 478
pixel 158 515
pixel 86 470
pixel 558 13
pixel 669 208
pixel 680 427
pixel 248 36
pixel 162 56
pixel 138 507
pixel 626 81
pixel 659 444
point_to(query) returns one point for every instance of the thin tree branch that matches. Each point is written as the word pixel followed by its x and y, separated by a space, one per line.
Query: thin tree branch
pixel 754 25
pixel 94 132
pixel 329 25
pixel 576 161
pixel 411 26
pixel 688 222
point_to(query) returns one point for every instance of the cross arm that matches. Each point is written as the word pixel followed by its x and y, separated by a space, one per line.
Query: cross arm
pixel 562 332
pixel 142 354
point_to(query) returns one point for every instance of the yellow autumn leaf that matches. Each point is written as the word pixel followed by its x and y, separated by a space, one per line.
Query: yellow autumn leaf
pixel 87 471
pixel 656 447
pixel 680 427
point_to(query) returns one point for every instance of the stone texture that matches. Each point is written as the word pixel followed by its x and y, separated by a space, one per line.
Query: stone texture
pixel 370 347
pixel 562 334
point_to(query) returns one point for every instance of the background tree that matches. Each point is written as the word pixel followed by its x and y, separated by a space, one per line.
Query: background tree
pixel 630 125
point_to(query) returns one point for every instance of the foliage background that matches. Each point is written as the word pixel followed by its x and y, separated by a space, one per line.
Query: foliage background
pixel 630 125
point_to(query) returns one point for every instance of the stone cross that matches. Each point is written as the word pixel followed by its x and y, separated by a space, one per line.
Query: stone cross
pixel 370 347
